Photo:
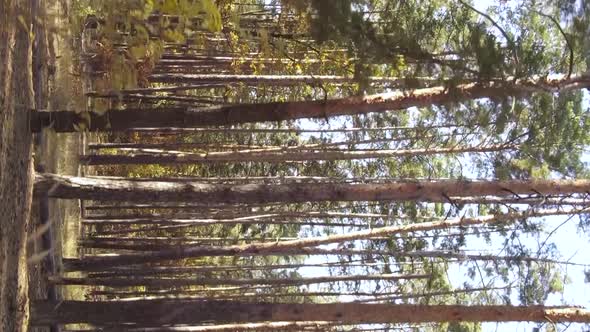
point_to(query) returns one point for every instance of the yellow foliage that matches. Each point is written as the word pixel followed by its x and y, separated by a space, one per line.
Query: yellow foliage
pixel 167 6
pixel 174 36
pixel 138 52
pixel 212 20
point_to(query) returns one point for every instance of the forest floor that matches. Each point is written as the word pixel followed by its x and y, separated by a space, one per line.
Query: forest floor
pixel 36 232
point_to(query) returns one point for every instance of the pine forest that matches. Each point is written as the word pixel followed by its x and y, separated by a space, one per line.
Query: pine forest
pixel 294 165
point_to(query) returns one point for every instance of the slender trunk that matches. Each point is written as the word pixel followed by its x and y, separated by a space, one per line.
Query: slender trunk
pixel 176 130
pixel 394 297
pixel 134 245
pixel 179 239
pixel 541 201
pixel 188 220
pixel 168 157
pixel 175 228
pixel 216 210
pixel 60 186
pixel 203 291
pixel 203 53
pixel 154 98
pixel 179 282
pixel 117 120
pixel 215 60
pixel 304 246
pixel 166 270
pixel 367 145
pixel 99 262
pixel 241 217
pixel 138 147
pixel 173 223
pixel 162 312
pixel 197 207
pixel 250 180
pixel 173 146
pixel 281 80
pixel 204 294
pixel 158 243
pixel 161 89
pixel 151 243
pixel 270 326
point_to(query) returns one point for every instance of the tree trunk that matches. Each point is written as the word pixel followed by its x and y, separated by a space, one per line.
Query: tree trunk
pixel 394 297
pixel 204 295
pixel 162 312
pixel 275 80
pixel 167 270
pixel 242 216
pixel 100 262
pixel 194 207
pixel 98 189
pixel 249 180
pixel 173 146
pixel 117 120
pixel 167 157
pixel 305 246
pixel 215 60
pixel 177 130
pixel 186 220
pixel 173 223
pixel 137 147
pixel 152 90
pixel 156 98
pixel 222 209
pixel 270 326
pixel 179 239
pixel 200 281
pixel 540 201
pixel 18 20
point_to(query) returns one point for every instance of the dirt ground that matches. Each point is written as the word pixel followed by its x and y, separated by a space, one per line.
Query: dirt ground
pixel 36 71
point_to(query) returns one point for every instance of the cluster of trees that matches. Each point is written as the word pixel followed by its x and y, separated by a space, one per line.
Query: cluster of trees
pixel 326 165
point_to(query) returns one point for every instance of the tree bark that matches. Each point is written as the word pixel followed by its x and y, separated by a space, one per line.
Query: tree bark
pixel 176 130
pixel 269 326
pixel 186 220
pixel 152 90
pixel 394 297
pixel 305 246
pixel 540 201
pixel 137 147
pixel 163 239
pixel 174 223
pixel 157 98
pixel 249 180
pixel 204 295
pixel 275 80
pixel 215 60
pixel 100 262
pixel 162 312
pixel 98 189
pixel 117 120
pixel 167 270
pixel 200 281
pixel 173 146
pixel 242 216
pixel 194 207
pixel 167 157
pixel 17 96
